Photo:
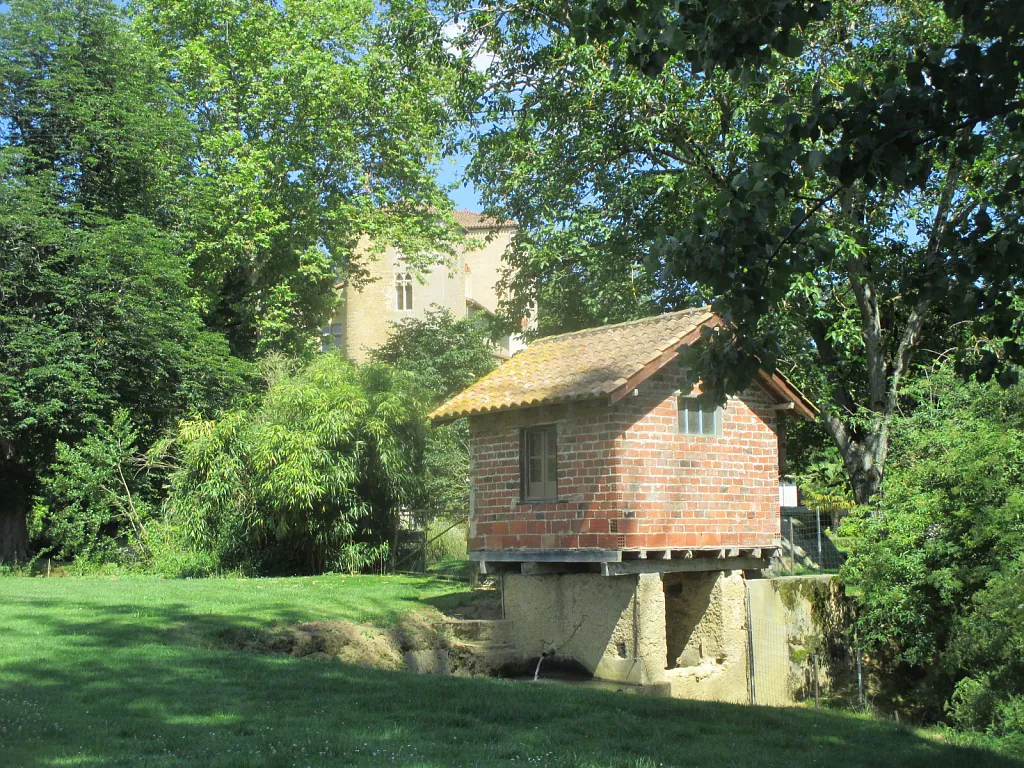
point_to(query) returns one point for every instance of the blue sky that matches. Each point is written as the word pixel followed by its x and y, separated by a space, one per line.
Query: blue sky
pixel 464 196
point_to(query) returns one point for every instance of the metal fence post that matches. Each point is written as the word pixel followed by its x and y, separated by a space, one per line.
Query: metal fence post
pixel 792 548
pixel 816 704
pixel 860 682
pixel 817 513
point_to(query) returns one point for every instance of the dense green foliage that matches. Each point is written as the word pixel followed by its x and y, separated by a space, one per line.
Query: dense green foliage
pixel 444 353
pixel 145 678
pixel 182 188
pixel 943 79
pixel 95 304
pixel 98 500
pixel 445 356
pixel 836 246
pixel 318 127
pixel 936 563
pixel 311 478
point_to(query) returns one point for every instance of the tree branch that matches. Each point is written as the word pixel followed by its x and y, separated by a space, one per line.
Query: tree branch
pixel 919 313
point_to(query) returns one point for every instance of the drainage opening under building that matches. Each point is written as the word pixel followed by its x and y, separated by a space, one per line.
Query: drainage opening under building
pixel 690 626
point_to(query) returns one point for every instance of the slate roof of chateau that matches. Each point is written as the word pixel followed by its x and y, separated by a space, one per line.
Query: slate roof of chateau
pixel 607 361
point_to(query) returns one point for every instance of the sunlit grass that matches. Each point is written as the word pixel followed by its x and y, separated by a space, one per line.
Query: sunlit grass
pixel 131 671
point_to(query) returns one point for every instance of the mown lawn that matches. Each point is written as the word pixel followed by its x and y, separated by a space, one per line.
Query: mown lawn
pixel 129 671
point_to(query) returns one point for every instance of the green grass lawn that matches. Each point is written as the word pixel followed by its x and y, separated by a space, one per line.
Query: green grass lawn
pixel 129 671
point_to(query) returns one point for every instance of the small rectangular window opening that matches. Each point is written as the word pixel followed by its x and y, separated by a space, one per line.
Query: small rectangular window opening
pixel 698 417
pixel 332 337
pixel 539 463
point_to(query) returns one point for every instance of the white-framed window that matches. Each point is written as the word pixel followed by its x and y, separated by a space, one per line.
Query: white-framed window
pixel 403 291
pixel 697 416
pixel 332 337
pixel 538 463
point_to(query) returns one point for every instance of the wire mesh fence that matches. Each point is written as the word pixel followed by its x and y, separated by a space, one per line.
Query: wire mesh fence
pixel 787 669
pixel 808 543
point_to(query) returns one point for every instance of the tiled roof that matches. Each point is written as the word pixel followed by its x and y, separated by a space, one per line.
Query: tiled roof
pixel 575 366
pixel 470 220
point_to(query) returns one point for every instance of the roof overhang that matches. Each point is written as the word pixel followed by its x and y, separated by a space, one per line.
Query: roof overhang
pixel 775 384
pixel 474 304
pixel 779 386
pixel 662 360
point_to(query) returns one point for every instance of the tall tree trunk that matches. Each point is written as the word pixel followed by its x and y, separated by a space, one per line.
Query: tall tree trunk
pixel 13 515
pixel 863 455
pixel 865 465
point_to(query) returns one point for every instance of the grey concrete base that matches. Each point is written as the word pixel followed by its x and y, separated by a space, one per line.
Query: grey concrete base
pixel 684 633
pixel 615 628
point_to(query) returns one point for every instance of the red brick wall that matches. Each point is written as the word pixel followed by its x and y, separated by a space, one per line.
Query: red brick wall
pixel 695 490
pixel 627 478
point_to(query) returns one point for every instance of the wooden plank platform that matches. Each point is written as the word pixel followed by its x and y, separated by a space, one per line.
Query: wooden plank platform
pixel 615 562
pixel 546 555
pixel 696 564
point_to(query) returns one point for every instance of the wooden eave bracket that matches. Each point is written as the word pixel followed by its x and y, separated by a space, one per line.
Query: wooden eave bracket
pixel 792 398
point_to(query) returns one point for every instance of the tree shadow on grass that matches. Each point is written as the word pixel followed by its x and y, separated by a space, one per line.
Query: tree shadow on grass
pixel 97 685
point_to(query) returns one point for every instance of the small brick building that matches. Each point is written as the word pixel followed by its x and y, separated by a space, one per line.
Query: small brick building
pixel 624 510
pixel 584 449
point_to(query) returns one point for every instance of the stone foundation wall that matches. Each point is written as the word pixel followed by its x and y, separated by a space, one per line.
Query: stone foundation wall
pixel 706 624
pixel 684 632
pixel 622 628
pixel 614 627
pixel 791 619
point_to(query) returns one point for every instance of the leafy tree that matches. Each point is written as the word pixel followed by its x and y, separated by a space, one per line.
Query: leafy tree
pixel 319 125
pixel 841 178
pixel 310 478
pixel 95 304
pixel 445 356
pixel 935 564
pixel 97 500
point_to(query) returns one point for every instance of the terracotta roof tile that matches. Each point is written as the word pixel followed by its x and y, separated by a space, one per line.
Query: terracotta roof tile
pixel 575 366
pixel 470 220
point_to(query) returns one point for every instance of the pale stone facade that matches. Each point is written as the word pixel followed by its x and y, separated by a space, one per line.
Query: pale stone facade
pixel 366 315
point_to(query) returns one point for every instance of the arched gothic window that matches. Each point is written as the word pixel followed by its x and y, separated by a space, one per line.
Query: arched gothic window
pixel 403 291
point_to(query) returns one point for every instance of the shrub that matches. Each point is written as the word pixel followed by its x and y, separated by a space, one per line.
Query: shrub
pixel 936 562
pixel 445 355
pixel 310 478
pixel 172 554
pixel 445 542
pixel 97 501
